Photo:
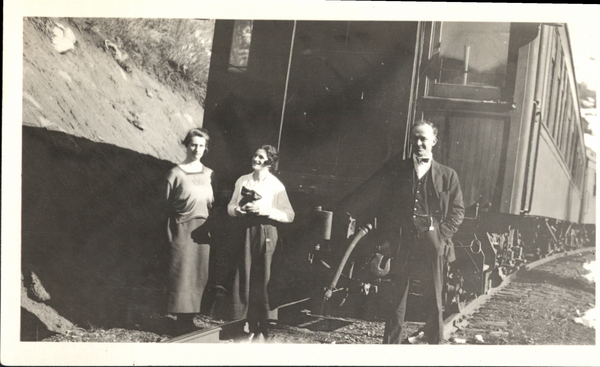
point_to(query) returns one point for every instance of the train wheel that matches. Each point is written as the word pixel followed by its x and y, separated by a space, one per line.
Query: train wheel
pixel 454 300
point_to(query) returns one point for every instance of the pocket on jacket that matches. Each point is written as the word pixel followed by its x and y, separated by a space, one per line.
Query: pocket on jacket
pixel 444 200
pixel 434 239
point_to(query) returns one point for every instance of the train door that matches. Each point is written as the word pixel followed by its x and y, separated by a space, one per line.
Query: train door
pixel 334 96
pixel 476 84
pixel 468 86
pixel 245 90
pixel 347 103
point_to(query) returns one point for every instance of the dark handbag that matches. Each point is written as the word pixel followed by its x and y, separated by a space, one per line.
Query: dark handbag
pixel 248 196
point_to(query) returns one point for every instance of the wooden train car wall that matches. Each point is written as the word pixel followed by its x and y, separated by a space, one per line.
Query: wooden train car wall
pixel 560 160
pixel 333 95
pixel 479 82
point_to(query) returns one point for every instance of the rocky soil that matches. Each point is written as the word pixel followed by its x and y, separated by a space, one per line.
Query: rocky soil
pixel 545 306
pixel 553 304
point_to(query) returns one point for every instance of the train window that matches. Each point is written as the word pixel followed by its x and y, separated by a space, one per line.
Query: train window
pixel 580 165
pixel 240 45
pixel 555 121
pixel 566 116
pixel 572 150
pixel 567 139
pixel 560 139
pixel 551 91
pixel 472 60
pixel 561 114
pixel 570 141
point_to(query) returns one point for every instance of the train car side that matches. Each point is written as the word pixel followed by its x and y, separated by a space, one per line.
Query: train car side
pixel 334 97
pixel 560 155
pixel 508 112
pixel 338 98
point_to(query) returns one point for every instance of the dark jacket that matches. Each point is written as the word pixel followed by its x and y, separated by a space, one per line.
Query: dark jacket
pixel 388 196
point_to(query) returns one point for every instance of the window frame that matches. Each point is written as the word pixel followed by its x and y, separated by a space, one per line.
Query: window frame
pixel 233 49
pixel 434 90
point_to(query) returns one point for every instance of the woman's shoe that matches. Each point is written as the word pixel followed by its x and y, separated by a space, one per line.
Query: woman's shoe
pixel 259 338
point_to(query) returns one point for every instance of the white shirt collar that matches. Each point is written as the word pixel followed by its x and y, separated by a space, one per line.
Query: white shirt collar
pixel 421 168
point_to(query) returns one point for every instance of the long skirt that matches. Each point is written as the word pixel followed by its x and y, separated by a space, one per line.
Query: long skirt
pixel 250 298
pixel 188 267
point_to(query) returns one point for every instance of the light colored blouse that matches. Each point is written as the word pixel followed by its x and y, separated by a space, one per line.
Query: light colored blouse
pixel 274 197
pixel 189 194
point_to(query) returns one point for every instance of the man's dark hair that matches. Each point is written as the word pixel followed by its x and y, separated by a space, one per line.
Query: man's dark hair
pixel 428 123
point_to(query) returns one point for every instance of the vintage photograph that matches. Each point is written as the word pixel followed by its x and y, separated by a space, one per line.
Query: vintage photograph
pixel 214 181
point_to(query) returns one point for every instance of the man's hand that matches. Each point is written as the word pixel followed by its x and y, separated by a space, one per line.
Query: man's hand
pixel 385 249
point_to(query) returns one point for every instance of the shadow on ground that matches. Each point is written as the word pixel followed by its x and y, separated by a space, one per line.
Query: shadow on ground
pixel 564 281
pixel 92 227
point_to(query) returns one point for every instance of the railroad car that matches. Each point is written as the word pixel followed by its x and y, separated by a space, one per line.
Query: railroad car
pixel 338 98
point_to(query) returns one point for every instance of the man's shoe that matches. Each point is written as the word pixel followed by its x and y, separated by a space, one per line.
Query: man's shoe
pixel 418 339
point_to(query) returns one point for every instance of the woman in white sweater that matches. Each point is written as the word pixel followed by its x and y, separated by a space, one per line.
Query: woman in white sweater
pixel 259 203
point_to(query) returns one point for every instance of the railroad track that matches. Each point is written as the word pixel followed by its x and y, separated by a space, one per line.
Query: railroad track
pixel 223 333
pixel 455 321
pixel 232 331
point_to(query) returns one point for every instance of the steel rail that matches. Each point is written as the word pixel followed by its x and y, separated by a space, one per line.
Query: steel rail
pixel 452 322
pixel 223 333
pixel 229 331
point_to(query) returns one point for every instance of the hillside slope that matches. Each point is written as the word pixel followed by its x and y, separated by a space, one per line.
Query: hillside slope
pixel 85 93
pixel 97 142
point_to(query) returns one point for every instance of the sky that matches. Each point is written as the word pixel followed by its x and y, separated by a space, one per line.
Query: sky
pixel 585 44
pixel 586 52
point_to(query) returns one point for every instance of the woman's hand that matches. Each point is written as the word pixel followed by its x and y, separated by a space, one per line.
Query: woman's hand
pixel 239 211
pixel 256 209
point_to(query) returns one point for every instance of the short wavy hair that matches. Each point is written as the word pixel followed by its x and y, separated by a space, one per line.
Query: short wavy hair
pixel 272 155
pixel 197 131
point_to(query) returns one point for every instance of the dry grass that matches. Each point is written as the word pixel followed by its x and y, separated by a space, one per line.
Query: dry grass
pixel 44 25
pixel 176 51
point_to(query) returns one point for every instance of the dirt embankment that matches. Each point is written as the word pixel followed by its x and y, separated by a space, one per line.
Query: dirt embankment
pixel 86 93
pixel 97 141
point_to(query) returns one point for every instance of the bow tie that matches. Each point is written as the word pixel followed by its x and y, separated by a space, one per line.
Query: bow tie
pixel 423 160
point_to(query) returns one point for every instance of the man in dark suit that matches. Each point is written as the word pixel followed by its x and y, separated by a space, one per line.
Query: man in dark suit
pixel 419 206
